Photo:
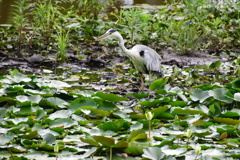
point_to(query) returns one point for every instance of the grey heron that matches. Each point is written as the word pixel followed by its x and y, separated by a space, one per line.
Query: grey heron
pixel 144 58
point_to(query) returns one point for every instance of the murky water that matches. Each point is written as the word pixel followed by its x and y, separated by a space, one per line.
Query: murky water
pixel 6 9
pixel 80 77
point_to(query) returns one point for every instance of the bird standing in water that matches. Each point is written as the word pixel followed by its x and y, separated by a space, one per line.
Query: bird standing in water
pixel 144 58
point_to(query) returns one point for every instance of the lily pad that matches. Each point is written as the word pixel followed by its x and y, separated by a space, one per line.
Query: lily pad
pixel 222 94
pixel 199 95
pixel 153 153
pixel 110 97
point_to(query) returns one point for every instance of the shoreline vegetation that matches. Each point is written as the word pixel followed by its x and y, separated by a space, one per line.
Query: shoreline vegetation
pixel 64 96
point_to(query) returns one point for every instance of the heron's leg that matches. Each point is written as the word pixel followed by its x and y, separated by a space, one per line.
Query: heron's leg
pixel 149 79
pixel 142 83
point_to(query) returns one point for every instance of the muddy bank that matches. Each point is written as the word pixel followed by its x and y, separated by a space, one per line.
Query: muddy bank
pixel 101 59
pixel 102 70
pixel 190 60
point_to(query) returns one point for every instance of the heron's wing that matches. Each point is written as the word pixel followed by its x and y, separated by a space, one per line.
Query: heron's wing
pixel 151 58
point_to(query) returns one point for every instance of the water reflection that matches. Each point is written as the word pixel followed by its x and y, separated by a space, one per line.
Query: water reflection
pixel 151 2
pixel 6 8
pixel 132 2
pixel 124 2
pixel 5 11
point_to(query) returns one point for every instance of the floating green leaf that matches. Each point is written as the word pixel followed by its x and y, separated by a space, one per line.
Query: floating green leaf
pixel 81 102
pixel 62 122
pixel 12 90
pixel 108 126
pixel 60 113
pixel 30 135
pixel 235 84
pixel 136 126
pixel 138 95
pixel 181 111
pixel 214 109
pixel 215 65
pixel 199 95
pixel 111 97
pixel 222 94
pixel 17 149
pixel 40 113
pixel 230 114
pixel 106 106
pixel 2 112
pixel 166 142
pixel 227 120
pixel 90 141
pixel 19 77
pixel 137 135
pixel 136 148
pixel 175 152
pixel 105 141
pixel 53 102
pixel 19 120
pixel 159 110
pixel 6 138
pixel 35 98
pixel 153 153
pixel 120 144
pixel 52 84
pixel 158 84
pixel 22 98
pixel 178 103
pixel 89 152
pixel 49 138
pixel 150 103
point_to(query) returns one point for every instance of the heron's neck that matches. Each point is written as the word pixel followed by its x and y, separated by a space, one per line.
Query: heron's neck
pixel 121 44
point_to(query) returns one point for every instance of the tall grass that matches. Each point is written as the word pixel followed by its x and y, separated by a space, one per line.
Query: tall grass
pixel 62 43
pixel 45 16
pixel 183 26
pixel 89 8
pixel 20 19
pixel 135 23
pixel 184 36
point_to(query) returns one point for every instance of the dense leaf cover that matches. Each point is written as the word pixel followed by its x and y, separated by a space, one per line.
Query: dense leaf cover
pixel 43 118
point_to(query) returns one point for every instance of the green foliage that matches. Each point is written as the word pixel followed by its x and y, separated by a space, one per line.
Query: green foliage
pixel 44 16
pixel 110 97
pixel 20 19
pixel 134 23
pixel 184 36
pixel 52 122
pixel 46 118
pixel 62 42
pixel 185 27
pixel 89 8
pixel 153 153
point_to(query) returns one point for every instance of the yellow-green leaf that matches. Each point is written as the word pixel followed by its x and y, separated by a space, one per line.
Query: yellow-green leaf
pixel 227 120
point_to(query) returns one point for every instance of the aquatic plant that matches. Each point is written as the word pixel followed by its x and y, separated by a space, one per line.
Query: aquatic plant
pixel 134 23
pixel 183 27
pixel 20 20
pixel 89 8
pixel 45 115
pixel 44 18
pixel 62 43
pixel 184 36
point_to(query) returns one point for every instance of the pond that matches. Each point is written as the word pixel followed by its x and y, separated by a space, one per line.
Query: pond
pixel 6 9
pixel 89 107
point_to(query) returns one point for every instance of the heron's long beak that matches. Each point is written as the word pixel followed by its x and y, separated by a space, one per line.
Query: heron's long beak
pixel 102 37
